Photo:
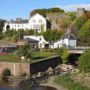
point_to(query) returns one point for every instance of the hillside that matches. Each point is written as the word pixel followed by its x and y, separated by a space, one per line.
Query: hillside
pixel 45 11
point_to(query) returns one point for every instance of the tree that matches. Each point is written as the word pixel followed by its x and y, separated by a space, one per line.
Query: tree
pixel 84 34
pixel 25 52
pixel 45 11
pixel 10 33
pixel 1 25
pixel 6 72
pixel 72 15
pixel 79 22
pixel 20 34
pixel 84 62
pixel 52 35
pixel 63 53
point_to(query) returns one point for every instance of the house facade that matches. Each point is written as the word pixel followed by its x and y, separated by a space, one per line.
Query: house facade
pixel 7 46
pixel 37 23
pixel 42 43
pixel 68 40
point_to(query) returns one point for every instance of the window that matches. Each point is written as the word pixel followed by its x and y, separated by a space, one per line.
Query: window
pixel 40 20
pixel 40 39
pixel 34 21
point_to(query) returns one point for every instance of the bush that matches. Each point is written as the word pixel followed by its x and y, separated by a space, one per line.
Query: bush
pixel 63 53
pixel 6 72
pixel 84 62
pixel 66 81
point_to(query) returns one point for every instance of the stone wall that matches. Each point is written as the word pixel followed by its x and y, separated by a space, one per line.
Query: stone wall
pixel 44 65
pixel 15 68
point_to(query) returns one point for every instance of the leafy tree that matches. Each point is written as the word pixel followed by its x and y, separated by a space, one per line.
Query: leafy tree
pixel 29 32
pixel 84 34
pixel 25 51
pixel 52 35
pixel 84 62
pixel 1 25
pixel 63 53
pixel 55 10
pixel 72 16
pixel 79 22
pixel 45 11
pixel 20 34
pixel 10 33
pixel 6 72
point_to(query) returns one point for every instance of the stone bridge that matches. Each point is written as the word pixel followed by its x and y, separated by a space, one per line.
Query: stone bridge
pixel 78 50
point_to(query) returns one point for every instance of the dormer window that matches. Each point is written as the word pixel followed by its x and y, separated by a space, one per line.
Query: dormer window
pixel 40 20
pixel 34 21
pixel 40 39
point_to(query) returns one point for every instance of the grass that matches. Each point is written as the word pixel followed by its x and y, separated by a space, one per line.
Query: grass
pixel 9 58
pixel 39 56
pixel 35 57
pixel 66 81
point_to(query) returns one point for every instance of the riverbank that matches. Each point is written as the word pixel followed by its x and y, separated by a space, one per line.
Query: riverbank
pixel 51 83
pixel 68 82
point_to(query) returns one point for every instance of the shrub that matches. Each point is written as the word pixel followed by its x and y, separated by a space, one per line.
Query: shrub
pixel 84 62
pixel 6 72
pixel 67 82
pixel 63 53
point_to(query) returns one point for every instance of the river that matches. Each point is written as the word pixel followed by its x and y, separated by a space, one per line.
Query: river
pixel 33 88
pixel 5 88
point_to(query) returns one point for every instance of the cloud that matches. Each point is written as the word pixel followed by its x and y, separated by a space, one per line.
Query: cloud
pixel 73 7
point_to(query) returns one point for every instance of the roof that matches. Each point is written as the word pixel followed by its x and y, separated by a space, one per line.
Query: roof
pixel 25 41
pixel 69 35
pixel 30 40
pixel 37 14
pixel 5 43
pixel 39 38
pixel 19 21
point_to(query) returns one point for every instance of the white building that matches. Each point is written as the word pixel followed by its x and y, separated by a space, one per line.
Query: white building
pixel 42 43
pixel 37 22
pixel 68 40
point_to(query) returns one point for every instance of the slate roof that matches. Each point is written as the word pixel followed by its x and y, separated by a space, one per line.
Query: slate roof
pixel 69 35
pixel 5 43
pixel 30 40
pixel 20 21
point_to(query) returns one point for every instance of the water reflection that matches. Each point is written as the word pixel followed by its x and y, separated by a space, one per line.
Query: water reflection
pixel 42 88
pixel 6 88
pixel 27 85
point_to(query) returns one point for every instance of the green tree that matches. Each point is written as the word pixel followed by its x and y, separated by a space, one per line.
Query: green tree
pixel 84 34
pixel 30 32
pixel 84 62
pixel 52 35
pixel 79 22
pixel 6 72
pixel 45 11
pixel 20 34
pixel 63 53
pixel 72 15
pixel 10 33
pixel 25 51
pixel 1 25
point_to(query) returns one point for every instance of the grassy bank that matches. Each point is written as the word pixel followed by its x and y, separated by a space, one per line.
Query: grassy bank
pixel 35 57
pixel 66 81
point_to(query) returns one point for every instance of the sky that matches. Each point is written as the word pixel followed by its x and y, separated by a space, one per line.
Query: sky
pixel 11 9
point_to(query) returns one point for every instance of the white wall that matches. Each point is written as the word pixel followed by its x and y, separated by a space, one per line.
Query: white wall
pixel 37 21
pixel 66 42
pixel 16 26
pixel 42 41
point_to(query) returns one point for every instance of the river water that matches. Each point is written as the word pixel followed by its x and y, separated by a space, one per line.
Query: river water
pixel 4 88
pixel 33 88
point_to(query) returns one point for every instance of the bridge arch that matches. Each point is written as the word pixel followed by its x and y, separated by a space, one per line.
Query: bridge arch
pixel 8 27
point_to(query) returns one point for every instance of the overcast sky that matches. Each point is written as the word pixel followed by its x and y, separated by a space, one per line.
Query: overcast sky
pixel 11 9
